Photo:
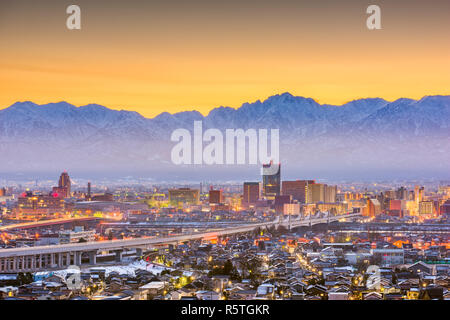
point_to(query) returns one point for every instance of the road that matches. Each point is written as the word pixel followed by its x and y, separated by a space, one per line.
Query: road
pixel 148 242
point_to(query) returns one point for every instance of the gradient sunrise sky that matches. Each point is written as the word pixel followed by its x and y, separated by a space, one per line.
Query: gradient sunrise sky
pixel 155 56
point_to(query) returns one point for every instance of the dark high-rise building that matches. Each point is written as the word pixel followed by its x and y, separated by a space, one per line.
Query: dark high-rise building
pixel 215 196
pixel 296 189
pixel 88 196
pixel 445 208
pixel 251 193
pixel 64 182
pixel 402 193
pixel 271 180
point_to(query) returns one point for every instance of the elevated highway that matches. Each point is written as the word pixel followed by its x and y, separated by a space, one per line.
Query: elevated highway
pixel 32 259
pixel 44 223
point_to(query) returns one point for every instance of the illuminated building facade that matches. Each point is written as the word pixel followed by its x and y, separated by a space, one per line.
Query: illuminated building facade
pixel 395 208
pixel 318 192
pixel 296 189
pixel 333 208
pixel 291 208
pixel 251 193
pixel 353 196
pixel 184 196
pixel 373 208
pixel 330 194
pixel 418 193
pixel 271 180
pixel 215 196
pixel 64 186
pixel 426 208
pixel 34 207
pixel 315 193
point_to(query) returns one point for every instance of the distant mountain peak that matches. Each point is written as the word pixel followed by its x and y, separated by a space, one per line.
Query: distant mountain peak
pixel 20 104
pixel 370 133
pixel 287 97
pixel 94 106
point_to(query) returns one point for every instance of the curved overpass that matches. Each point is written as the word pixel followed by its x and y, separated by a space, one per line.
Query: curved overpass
pixel 45 223
pixel 59 256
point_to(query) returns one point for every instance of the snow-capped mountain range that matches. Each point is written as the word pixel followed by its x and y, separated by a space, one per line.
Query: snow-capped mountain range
pixel 368 137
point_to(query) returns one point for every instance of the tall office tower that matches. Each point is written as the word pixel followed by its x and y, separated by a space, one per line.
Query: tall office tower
pixel 215 196
pixel 64 182
pixel 89 191
pixel 63 188
pixel 383 200
pixel 251 193
pixel 330 194
pixel 373 208
pixel 418 194
pixel 315 193
pixel 402 193
pixel 296 189
pixel 271 180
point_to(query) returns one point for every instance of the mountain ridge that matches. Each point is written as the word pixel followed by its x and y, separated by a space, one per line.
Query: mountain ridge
pixel 364 134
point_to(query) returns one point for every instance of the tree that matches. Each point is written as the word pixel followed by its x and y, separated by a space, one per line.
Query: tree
pixel 250 267
pixel 394 279
pixel 20 278
pixel 281 230
pixel 29 277
pixel 165 271
pixel 257 231
pixel 228 267
pixel 24 278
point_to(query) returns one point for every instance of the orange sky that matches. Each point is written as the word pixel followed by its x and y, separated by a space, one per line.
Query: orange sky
pixel 155 56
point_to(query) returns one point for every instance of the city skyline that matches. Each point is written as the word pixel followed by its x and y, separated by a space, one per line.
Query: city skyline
pixel 303 241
